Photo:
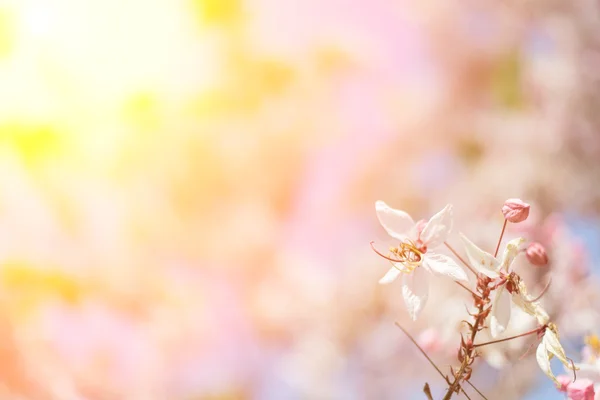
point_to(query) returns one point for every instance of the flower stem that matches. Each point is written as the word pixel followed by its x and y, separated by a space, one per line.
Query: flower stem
pixel 421 350
pixel 467 289
pixel 500 239
pixel 536 330
pixel 541 294
pixel 466 264
pixel 477 390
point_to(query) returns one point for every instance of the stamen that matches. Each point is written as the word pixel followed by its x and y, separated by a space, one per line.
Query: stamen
pixel 383 255
pixel 408 255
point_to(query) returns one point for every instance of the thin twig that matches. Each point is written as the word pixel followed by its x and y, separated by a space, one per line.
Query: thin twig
pixel 477 390
pixel 527 352
pixel 536 330
pixel 465 393
pixel 541 294
pixel 467 289
pixel 421 350
pixel 461 259
pixel 500 239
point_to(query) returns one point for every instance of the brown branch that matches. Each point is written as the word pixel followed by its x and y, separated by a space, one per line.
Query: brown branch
pixel 467 353
pixel 456 383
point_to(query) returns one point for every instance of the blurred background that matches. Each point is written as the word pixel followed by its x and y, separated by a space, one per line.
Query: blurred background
pixel 187 189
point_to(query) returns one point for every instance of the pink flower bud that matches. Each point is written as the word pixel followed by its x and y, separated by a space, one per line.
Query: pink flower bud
pixel 536 254
pixel 581 389
pixel 515 210
pixel 564 382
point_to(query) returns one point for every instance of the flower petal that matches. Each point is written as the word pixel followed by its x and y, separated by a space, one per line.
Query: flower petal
pixel 441 264
pixel 542 316
pixel 390 276
pixel 510 252
pixel 543 361
pixel 438 228
pixel 415 290
pixel 500 315
pixel 553 345
pixel 522 302
pixel 533 308
pixel 397 223
pixel 482 261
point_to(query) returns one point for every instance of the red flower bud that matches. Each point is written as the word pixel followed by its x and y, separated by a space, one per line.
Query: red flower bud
pixel 536 254
pixel 515 210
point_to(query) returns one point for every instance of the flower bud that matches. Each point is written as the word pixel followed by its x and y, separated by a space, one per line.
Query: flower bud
pixel 581 389
pixel 536 254
pixel 515 210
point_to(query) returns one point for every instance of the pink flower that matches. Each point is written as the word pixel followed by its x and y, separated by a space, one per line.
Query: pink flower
pixel 536 254
pixel 515 210
pixel 581 389
pixel 563 383
pixel 416 258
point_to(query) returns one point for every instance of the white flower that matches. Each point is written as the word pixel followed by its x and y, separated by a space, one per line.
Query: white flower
pixel 414 251
pixel 548 348
pixel 510 284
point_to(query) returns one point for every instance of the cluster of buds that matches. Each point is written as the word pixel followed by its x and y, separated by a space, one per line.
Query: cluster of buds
pixel 498 286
